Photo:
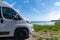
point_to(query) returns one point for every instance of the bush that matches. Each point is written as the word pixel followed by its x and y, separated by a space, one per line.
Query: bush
pixel 57 23
pixel 40 38
pixel 49 38
pixel 55 38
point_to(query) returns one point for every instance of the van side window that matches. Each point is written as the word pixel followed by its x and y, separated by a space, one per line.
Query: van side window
pixel 9 13
pixel 0 13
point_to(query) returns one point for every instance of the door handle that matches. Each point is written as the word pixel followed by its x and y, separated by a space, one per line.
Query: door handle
pixel 1 20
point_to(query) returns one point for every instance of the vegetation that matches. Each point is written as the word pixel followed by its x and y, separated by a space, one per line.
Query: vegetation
pixel 40 38
pixel 47 28
pixel 52 30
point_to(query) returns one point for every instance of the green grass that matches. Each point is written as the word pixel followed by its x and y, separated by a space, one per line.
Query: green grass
pixel 53 29
pixel 46 28
pixel 40 38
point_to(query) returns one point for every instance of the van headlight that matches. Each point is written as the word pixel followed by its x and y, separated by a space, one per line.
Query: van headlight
pixel 31 25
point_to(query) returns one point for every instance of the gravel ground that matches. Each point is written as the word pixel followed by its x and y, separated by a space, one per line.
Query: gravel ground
pixel 33 36
pixel 37 35
pixel 44 35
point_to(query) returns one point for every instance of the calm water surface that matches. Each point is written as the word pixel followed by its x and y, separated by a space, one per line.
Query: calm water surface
pixel 43 22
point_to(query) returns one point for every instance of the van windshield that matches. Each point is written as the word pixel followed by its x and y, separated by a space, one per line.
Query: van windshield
pixel 9 13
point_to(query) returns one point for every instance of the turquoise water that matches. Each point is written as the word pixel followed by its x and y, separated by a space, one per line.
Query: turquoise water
pixel 43 22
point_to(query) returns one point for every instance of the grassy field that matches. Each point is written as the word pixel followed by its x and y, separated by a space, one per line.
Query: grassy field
pixel 46 28
pixel 52 30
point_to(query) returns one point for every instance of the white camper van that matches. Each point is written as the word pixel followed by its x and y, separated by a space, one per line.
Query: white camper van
pixel 12 24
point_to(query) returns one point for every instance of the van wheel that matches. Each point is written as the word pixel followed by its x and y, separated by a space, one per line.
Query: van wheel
pixel 21 34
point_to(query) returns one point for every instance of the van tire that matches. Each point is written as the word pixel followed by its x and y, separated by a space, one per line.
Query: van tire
pixel 21 33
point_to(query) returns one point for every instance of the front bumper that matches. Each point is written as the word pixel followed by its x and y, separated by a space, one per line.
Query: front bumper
pixel 31 29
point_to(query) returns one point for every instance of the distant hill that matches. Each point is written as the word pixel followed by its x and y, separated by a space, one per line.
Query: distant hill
pixel 54 20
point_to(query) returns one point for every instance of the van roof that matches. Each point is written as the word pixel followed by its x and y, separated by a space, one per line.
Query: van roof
pixel 5 4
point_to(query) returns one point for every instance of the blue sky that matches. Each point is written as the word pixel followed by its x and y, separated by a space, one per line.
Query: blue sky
pixel 37 10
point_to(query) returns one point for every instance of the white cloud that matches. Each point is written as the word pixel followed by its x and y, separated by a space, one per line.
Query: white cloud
pixel 57 3
pixel 54 15
pixel 13 4
pixel 26 1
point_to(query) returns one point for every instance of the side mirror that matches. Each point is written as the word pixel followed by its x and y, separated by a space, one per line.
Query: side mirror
pixel 15 18
pixel 28 21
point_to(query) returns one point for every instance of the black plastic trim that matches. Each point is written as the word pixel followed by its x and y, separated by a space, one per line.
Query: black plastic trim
pixel 4 33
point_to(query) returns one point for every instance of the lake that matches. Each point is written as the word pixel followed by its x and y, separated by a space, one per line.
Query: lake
pixel 43 22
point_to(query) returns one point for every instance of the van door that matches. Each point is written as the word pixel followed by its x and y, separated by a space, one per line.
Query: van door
pixel 7 20
pixel 7 25
pixel 2 24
